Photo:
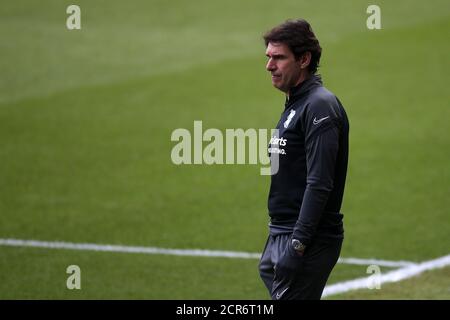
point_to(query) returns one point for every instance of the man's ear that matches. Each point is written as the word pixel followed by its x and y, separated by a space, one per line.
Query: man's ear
pixel 305 60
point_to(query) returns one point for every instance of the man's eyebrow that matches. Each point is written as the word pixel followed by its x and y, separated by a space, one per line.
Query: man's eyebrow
pixel 276 55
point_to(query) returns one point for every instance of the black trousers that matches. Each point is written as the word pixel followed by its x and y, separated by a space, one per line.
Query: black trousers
pixel 288 276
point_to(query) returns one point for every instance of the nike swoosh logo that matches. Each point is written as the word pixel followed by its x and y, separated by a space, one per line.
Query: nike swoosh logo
pixel 279 294
pixel 320 120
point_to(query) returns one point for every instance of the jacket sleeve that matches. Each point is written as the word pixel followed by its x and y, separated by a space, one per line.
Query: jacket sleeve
pixel 322 145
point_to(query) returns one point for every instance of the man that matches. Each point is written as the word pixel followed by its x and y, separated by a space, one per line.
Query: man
pixel 306 229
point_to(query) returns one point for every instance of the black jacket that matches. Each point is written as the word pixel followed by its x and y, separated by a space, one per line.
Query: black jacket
pixel 306 193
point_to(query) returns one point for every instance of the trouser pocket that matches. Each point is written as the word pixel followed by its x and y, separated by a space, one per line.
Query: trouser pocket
pixel 287 268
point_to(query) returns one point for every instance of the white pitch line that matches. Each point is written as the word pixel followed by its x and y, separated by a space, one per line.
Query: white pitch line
pixel 176 252
pixel 392 276
pixel 127 249
pixel 381 263
pixel 408 270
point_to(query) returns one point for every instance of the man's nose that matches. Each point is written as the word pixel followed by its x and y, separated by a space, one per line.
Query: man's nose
pixel 270 66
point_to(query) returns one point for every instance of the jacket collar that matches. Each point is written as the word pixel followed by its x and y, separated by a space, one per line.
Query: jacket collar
pixel 301 89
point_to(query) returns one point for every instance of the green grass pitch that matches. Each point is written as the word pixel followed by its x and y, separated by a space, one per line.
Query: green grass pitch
pixel 86 118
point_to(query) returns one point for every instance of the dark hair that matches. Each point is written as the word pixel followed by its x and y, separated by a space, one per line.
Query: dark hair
pixel 299 37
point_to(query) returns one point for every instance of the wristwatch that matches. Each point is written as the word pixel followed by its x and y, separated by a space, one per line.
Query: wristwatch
pixel 298 246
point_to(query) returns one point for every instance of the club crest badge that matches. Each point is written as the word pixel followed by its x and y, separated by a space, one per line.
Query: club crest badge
pixel 289 118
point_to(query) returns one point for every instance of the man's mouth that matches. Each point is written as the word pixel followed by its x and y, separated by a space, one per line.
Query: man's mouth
pixel 276 76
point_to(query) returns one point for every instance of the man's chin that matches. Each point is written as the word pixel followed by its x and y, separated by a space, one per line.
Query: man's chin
pixel 276 84
pixel 279 87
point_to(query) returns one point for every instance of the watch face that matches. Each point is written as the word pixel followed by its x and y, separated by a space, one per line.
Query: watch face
pixel 297 245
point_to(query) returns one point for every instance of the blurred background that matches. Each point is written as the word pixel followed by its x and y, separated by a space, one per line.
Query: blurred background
pixel 86 118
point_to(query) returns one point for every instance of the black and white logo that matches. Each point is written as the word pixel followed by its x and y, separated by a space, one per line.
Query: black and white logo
pixel 289 119
pixel 316 122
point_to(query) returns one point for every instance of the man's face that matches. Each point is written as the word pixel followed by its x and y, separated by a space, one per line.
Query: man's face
pixel 285 70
